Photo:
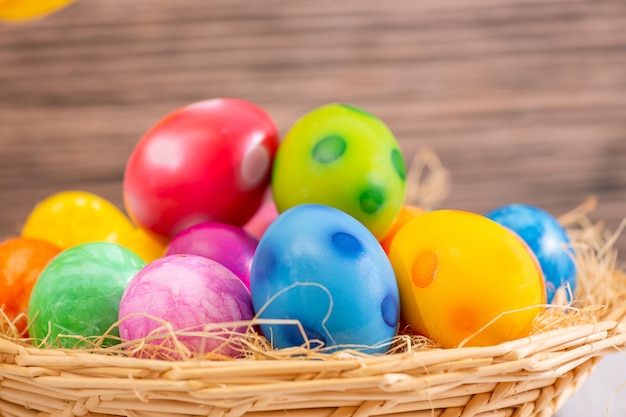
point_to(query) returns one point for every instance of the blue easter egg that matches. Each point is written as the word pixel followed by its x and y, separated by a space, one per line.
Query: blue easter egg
pixel 548 240
pixel 322 267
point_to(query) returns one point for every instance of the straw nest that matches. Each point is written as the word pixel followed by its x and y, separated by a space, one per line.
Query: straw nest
pixel 527 377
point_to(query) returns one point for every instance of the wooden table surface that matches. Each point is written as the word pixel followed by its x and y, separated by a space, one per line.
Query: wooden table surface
pixel 522 100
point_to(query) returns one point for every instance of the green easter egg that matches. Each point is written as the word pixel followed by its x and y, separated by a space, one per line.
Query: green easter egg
pixel 344 157
pixel 78 294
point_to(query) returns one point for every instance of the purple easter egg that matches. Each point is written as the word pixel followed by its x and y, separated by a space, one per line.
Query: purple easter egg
pixel 229 245
pixel 190 293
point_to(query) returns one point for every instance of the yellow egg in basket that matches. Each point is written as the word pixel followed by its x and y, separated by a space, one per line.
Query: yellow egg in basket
pixel 465 280
pixel 69 218
pixel 21 10
pixel 146 245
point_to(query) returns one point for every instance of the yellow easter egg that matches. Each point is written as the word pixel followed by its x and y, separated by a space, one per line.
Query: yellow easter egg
pixel 29 9
pixel 146 245
pixel 465 280
pixel 69 218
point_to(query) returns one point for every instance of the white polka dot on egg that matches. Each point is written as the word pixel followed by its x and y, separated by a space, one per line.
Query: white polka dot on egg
pixel 254 167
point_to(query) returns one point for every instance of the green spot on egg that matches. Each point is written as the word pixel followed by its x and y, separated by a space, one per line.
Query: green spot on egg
pixel 371 200
pixel 398 163
pixel 358 110
pixel 329 149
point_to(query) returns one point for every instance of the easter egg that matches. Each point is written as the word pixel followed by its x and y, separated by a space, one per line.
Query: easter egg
pixel 320 266
pixel 261 220
pixel 190 293
pixel 145 244
pixel 344 157
pixel 226 244
pixel 21 261
pixel 407 212
pixel 69 218
pixel 208 161
pixel 77 295
pixel 549 241
pixel 18 10
pixel 465 280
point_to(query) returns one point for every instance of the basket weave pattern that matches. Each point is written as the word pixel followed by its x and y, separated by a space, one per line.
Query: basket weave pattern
pixel 526 377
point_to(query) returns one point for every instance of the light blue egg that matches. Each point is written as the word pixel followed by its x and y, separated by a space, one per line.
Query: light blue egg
pixel 320 266
pixel 548 240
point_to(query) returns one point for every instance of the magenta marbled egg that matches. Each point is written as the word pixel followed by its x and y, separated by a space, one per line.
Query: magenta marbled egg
pixel 226 244
pixel 189 293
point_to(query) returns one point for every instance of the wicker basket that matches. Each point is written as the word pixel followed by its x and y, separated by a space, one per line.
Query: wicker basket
pixel 527 377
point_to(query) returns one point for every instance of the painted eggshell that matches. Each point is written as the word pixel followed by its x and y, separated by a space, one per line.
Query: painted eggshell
pixel 465 280
pixel 344 157
pixel 189 293
pixel 208 161
pixel 407 212
pixel 549 241
pixel 147 245
pixel 69 218
pixel 261 220
pixel 320 266
pixel 78 294
pixel 226 244
pixel 21 261
pixel 26 10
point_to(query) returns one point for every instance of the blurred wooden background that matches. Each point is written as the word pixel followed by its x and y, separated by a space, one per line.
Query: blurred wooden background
pixel 523 100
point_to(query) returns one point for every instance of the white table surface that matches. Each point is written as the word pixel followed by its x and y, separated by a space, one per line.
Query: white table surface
pixel 604 393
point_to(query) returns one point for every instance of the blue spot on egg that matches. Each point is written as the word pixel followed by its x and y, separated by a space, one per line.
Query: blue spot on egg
pixel 347 244
pixel 390 310
pixel 293 334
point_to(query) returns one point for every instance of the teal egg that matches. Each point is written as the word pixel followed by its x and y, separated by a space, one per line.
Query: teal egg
pixel 78 294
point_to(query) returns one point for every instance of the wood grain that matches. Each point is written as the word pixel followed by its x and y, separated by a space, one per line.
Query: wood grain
pixel 523 100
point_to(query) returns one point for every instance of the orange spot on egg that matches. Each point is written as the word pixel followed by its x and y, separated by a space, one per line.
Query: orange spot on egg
pixel 424 269
pixel 463 319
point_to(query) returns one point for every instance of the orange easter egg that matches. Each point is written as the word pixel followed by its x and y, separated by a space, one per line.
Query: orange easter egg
pixel 21 261
pixel 406 213
pixel 465 280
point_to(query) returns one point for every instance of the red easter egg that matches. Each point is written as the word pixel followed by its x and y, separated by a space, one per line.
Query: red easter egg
pixel 21 261
pixel 208 161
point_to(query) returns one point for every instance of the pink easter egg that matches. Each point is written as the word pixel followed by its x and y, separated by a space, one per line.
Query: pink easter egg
pixel 226 244
pixel 186 293
pixel 261 220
